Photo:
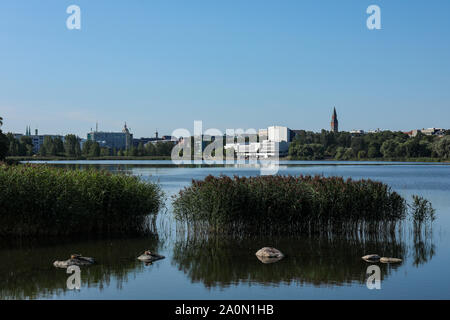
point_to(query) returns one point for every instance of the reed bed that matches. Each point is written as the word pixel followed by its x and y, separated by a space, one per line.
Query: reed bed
pixel 273 204
pixel 41 200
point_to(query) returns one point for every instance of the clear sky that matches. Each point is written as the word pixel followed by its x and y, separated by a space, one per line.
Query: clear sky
pixel 230 63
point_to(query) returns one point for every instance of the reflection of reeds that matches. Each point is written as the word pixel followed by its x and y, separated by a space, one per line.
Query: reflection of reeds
pixel 27 271
pixel 274 204
pixel 423 246
pixel 327 260
pixel 41 200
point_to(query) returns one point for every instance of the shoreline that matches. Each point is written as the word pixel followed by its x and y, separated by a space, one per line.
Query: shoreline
pixel 285 159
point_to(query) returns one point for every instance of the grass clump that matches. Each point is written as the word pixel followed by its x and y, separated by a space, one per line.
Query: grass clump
pixel 41 200
pixel 422 210
pixel 287 203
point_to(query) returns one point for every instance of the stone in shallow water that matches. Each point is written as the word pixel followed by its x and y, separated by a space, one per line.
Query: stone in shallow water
pixel 75 260
pixel 269 255
pixel 148 256
pixel 371 258
pixel 390 260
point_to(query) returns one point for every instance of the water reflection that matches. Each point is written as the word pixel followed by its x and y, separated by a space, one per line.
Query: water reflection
pixel 321 261
pixel 423 246
pixel 27 272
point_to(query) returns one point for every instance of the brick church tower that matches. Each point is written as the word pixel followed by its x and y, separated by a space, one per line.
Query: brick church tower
pixel 334 122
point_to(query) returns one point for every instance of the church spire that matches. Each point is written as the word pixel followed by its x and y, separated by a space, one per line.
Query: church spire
pixel 334 121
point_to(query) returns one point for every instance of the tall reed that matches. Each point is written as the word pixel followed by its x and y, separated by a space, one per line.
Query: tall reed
pixel 282 203
pixel 41 200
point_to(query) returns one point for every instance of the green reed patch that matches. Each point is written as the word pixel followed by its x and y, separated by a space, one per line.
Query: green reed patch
pixel 41 200
pixel 287 202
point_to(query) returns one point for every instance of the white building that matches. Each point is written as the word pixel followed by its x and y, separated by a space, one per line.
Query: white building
pixel 274 142
pixel 279 134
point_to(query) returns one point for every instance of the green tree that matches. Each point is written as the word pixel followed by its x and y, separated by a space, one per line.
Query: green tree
pixel 340 153
pixel 86 150
pixel 348 154
pixel 374 150
pixel 26 146
pixel 59 146
pixel 442 147
pixel 388 148
pixel 141 149
pixel 105 152
pixel 13 145
pixel 48 148
pixel 4 145
pixel 72 146
pixel 94 150
pixel 150 149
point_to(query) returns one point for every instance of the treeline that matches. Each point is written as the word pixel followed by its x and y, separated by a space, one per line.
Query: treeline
pixel 71 147
pixel 386 144
pixel 160 148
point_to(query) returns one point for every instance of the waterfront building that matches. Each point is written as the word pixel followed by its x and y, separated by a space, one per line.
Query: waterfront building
pixel 263 134
pixel 276 144
pixel 113 140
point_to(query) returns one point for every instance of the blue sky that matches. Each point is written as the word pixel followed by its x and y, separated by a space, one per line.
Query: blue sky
pixel 232 64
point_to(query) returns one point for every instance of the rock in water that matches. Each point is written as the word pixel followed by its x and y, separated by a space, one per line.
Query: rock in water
pixel 75 260
pixel 149 256
pixel 269 255
pixel 371 258
pixel 390 260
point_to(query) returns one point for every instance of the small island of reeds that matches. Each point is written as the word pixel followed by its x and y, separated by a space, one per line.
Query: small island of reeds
pixel 38 200
pixel 286 204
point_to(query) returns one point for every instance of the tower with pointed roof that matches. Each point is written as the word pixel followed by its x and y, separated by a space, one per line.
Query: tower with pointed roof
pixel 334 122
pixel 128 137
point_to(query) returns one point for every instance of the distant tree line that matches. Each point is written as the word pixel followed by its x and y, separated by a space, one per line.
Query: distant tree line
pixel 306 145
pixel 309 145
pixel 70 146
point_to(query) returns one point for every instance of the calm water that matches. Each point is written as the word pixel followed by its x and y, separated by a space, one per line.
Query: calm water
pixel 200 267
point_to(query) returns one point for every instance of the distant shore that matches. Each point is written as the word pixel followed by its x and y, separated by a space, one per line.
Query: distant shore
pixel 124 158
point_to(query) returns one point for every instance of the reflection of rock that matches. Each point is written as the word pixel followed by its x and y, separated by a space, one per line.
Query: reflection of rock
pixel 221 261
pixel 75 260
pixel 269 255
pixel 390 260
pixel 371 258
pixel 148 257
pixel 267 260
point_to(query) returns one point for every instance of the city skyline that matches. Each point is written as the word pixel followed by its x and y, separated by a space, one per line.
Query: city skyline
pixel 334 127
pixel 222 63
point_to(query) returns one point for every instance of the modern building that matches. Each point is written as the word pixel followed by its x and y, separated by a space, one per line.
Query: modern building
pixel 263 134
pixel 113 140
pixel 275 145
pixel 334 122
